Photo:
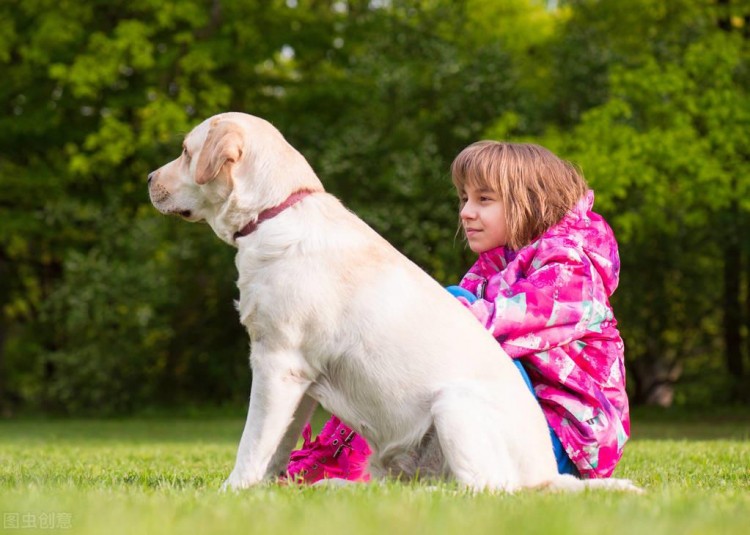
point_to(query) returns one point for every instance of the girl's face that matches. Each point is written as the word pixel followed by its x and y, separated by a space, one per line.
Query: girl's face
pixel 483 219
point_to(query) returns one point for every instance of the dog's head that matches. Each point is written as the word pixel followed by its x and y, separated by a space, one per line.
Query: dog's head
pixel 232 167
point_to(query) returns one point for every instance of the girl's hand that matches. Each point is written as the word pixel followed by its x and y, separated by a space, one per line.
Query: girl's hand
pixel 457 291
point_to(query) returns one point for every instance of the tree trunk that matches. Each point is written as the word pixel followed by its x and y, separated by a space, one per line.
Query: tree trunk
pixel 733 251
pixel 4 403
pixel 747 302
pixel 724 20
pixel 655 378
pixel 4 297
pixel 732 301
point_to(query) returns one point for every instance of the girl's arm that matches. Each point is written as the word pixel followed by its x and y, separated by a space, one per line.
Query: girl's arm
pixel 560 299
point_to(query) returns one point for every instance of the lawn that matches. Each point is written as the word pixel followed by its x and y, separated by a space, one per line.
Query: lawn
pixel 161 475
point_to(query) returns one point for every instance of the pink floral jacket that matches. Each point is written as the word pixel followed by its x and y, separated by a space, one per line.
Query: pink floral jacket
pixel 548 305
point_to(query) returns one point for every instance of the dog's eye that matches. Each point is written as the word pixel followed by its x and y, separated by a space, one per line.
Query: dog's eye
pixel 185 153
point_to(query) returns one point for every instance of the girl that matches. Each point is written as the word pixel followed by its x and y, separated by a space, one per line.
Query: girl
pixel 547 266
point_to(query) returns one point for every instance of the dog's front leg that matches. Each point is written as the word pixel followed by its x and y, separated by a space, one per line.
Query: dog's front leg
pixel 303 414
pixel 278 386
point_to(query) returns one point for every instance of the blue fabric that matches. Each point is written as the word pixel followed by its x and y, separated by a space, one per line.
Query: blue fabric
pixel 457 291
pixel 564 464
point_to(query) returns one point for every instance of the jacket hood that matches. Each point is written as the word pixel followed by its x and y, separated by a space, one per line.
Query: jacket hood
pixel 580 227
pixel 594 236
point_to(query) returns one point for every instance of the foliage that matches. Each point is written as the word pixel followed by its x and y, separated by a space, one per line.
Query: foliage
pixel 667 153
pixel 107 306
pixel 105 313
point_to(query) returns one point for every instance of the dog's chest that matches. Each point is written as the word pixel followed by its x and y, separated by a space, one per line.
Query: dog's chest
pixel 263 283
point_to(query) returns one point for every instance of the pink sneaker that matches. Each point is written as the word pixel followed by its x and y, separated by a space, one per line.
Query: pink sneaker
pixel 337 452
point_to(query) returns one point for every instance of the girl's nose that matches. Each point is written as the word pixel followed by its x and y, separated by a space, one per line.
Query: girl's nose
pixel 467 212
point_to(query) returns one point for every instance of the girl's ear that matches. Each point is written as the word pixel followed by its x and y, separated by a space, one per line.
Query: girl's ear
pixel 222 149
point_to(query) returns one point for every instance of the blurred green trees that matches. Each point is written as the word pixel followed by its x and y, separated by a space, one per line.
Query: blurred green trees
pixel 108 306
pixel 666 144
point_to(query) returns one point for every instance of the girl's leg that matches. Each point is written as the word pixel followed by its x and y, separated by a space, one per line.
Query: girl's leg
pixel 564 464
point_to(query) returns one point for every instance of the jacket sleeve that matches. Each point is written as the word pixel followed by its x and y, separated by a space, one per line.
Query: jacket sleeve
pixel 551 305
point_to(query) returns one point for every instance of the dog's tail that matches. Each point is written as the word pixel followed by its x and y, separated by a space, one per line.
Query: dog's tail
pixel 568 483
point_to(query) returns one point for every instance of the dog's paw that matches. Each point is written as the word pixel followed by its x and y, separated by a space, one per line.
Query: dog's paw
pixel 237 481
pixel 334 482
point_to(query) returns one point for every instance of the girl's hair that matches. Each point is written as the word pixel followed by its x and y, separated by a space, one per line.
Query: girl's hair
pixel 536 187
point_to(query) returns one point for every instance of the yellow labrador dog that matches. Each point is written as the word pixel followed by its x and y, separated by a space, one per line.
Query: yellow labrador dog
pixel 337 316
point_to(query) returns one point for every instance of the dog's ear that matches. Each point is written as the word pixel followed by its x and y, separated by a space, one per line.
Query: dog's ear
pixel 222 149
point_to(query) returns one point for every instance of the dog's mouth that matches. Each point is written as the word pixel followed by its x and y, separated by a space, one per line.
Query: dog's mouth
pixel 187 215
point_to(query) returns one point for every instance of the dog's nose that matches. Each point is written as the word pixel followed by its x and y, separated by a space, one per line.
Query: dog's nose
pixel 151 177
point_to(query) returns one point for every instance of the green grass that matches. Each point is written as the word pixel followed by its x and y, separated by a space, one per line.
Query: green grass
pixel 161 475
